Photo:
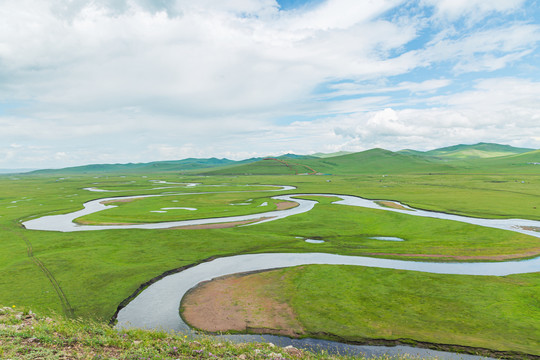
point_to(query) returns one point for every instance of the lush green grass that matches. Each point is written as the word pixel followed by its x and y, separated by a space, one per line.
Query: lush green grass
pixel 356 303
pixel 487 196
pixel 24 335
pixel 97 270
pixel 480 150
pixel 205 205
pixel 347 230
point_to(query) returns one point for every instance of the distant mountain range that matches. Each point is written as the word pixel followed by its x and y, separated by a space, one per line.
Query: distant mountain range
pixel 15 171
pixel 380 161
pixel 481 157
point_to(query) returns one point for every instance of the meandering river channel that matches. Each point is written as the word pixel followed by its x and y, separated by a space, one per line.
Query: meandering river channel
pixel 157 307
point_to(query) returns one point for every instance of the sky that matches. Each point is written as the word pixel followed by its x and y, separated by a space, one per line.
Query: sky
pixel 117 81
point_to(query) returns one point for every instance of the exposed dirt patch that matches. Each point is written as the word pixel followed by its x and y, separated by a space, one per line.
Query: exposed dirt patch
pixel 391 204
pixel 532 252
pixel 284 205
pixel 221 225
pixel 238 303
pixel 126 200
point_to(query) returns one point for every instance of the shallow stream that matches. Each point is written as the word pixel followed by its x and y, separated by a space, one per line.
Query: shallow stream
pixel 157 307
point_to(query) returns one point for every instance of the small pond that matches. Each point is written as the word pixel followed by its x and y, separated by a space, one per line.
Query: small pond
pixel 386 238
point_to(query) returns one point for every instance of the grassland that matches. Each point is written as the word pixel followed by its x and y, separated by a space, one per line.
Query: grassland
pixel 24 335
pixel 480 150
pixel 88 274
pixel 183 207
pixel 357 304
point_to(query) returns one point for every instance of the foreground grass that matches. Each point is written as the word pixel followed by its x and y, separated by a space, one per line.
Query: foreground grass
pixel 97 270
pixel 23 335
pixel 360 304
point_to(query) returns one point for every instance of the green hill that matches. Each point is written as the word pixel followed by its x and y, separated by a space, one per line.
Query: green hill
pixel 380 161
pixel 267 166
pixel 526 163
pixel 481 157
pixel 295 156
pixel 375 161
pixel 328 155
pixel 480 150
pixel 156 166
pixel 412 152
pixel 186 165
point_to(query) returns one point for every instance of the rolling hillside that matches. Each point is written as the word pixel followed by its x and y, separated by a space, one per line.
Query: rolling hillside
pixel 480 150
pixel 526 163
pixel 329 155
pixel 478 158
pixel 375 161
pixel 156 166
pixel 380 161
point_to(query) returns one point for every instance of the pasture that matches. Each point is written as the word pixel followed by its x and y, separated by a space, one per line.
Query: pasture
pixel 88 274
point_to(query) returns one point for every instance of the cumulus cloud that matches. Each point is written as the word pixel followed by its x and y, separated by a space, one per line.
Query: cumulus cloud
pixel 145 80
pixel 502 110
pixel 486 50
pixel 475 9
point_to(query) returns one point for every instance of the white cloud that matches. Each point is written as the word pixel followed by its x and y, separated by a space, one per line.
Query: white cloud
pixel 490 49
pixel 203 62
pixel 338 14
pixel 350 89
pixel 475 9
pixel 140 80
pixel 501 110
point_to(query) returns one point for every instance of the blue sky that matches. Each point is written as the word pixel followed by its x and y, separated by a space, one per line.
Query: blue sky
pixel 110 81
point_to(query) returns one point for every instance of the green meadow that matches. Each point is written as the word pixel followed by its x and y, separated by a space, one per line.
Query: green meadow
pixel 88 274
pixel 184 207
pixel 351 303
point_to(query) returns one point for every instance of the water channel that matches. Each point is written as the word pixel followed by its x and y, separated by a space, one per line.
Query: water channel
pixel 157 307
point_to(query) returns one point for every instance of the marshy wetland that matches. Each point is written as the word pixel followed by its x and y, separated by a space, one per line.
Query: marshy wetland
pixel 96 271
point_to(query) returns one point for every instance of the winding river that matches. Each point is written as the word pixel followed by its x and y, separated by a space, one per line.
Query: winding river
pixel 157 306
pixel 65 222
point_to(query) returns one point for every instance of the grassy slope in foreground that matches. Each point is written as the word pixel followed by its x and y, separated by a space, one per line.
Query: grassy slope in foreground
pixel 26 336
pixel 358 304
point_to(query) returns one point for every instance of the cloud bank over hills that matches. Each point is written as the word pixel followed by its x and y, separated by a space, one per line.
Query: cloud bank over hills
pixel 140 80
